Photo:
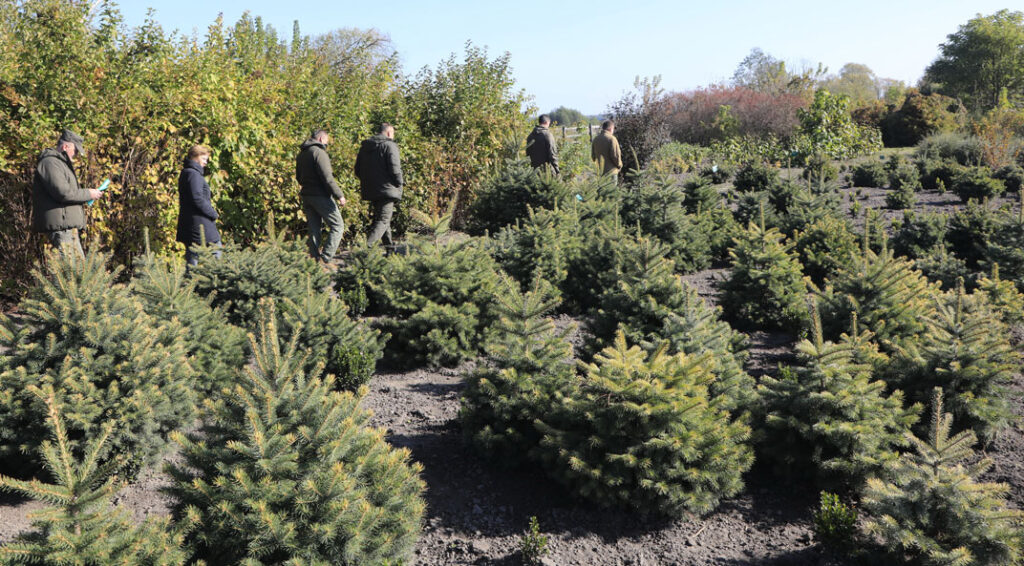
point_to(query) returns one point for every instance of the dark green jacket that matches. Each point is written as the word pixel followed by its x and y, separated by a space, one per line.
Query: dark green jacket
pixel 540 147
pixel 379 169
pixel 56 196
pixel 313 171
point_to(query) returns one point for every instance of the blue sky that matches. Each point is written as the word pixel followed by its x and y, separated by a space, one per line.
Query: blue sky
pixel 585 55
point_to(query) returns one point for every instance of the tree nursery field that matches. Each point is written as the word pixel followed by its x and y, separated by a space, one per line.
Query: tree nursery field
pixel 792 343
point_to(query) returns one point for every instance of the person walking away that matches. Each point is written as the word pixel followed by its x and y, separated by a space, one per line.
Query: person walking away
pixel 57 197
pixel 605 149
pixel 319 192
pixel 379 169
pixel 540 145
pixel 196 215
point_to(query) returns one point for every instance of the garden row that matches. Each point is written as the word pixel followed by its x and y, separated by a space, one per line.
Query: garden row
pixel 655 412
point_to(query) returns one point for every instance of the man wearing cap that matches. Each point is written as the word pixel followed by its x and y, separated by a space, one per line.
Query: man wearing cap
pixel 319 191
pixel 57 197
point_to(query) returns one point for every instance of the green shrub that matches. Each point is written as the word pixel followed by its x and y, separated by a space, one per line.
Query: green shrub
pixel 755 177
pixel 695 327
pixel 527 362
pixel 818 168
pixel 941 266
pixel 360 281
pixel 80 525
pixel 901 199
pixel 330 339
pixel 966 352
pixel 218 349
pixel 1006 247
pixel 509 193
pixel 656 207
pixel 607 252
pixel 889 297
pixel 826 127
pixel 765 289
pixel 938 174
pixel 436 299
pixel 932 509
pixel 751 207
pixel 700 195
pixel 641 431
pixel 835 523
pixel 718 174
pixel 277 268
pixel 870 173
pixel 1012 177
pixel 720 227
pixel 651 306
pixel 1003 296
pixel 824 247
pixel 92 342
pixel 806 208
pixel 976 183
pixel 288 470
pixel 829 415
pixel 437 335
pixel 540 246
pixel 963 149
pixel 903 175
pixel 971 231
pixel 533 545
pixel 784 195
pixel 918 233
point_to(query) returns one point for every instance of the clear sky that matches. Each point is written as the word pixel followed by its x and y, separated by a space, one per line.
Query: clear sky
pixel 586 54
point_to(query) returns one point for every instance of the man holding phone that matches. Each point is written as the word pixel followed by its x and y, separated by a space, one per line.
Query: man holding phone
pixel 57 197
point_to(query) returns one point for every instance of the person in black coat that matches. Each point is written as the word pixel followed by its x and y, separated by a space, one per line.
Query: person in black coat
pixel 196 216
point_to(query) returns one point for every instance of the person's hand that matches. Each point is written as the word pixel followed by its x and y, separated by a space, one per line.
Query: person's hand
pixel 342 201
pixel 94 194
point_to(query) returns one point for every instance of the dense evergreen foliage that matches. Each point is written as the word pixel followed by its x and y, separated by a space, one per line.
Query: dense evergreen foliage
pixel 105 358
pixel 288 470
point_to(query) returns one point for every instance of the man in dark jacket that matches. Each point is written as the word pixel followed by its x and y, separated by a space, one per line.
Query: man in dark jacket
pixel 540 145
pixel 196 215
pixel 319 191
pixel 379 169
pixel 57 197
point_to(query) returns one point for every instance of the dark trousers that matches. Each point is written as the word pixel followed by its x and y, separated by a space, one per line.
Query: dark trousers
pixel 322 210
pixel 380 229
pixel 66 241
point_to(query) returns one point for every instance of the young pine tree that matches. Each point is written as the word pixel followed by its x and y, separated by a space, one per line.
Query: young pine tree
pixel 1003 296
pixel 932 510
pixel 652 305
pixel 642 431
pixel 527 363
pixel 287 471
pixel 218 349
pixel 765 288
pixel 968 354
pixel 277 268
pixel 78 525
pixel 340 345
pixel 891 298
pixel 829 416
pixel 106 360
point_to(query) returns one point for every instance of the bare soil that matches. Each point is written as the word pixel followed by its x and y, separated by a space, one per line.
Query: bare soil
pixel 477 513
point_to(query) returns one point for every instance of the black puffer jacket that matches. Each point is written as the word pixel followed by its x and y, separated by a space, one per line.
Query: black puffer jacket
pixel 379 169
pixel 313 171
pixel 195 209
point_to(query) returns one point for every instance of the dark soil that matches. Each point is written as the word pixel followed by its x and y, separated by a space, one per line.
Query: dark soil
pixel 477 513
